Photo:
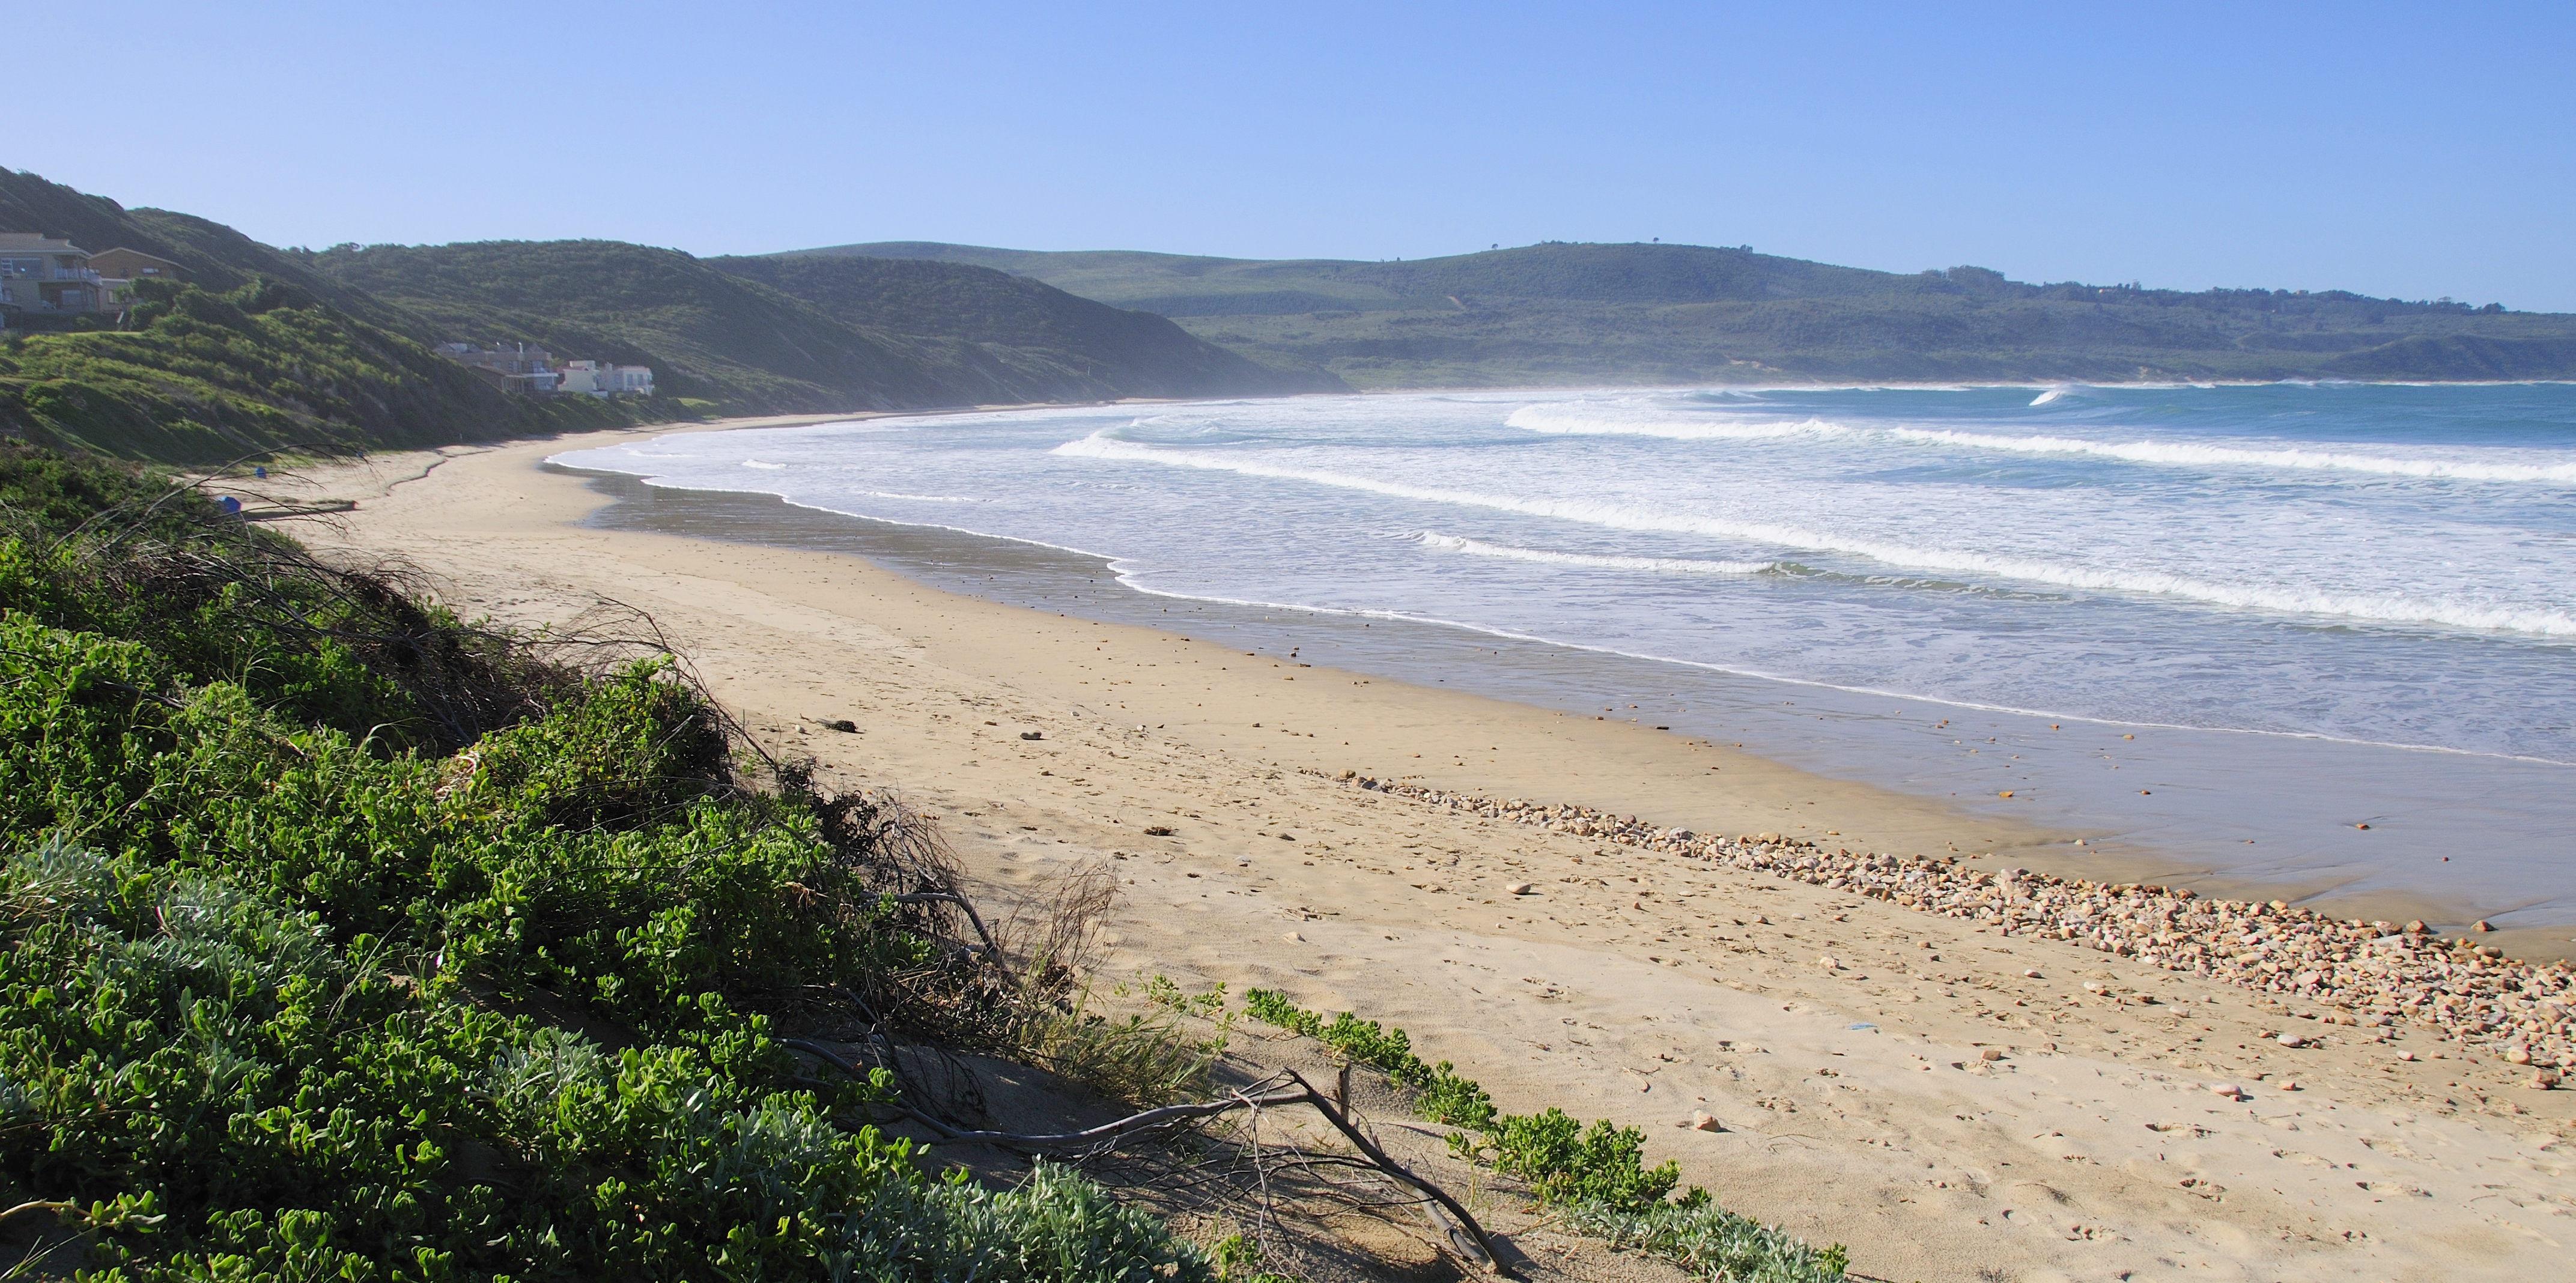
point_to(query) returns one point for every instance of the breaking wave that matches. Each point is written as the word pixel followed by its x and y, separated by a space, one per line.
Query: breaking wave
pixel 1599 420
pixel 2288 599
pixel 1676 565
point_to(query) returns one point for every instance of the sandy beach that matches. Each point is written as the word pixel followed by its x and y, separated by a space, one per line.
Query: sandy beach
pixel 1950 1101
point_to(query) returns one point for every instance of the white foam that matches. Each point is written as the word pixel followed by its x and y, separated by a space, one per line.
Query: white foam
pixel 2191 453
pixel 1597 419
pixel 755 463
pixel 1674 565
pixel 2284 598
pixel 1588 419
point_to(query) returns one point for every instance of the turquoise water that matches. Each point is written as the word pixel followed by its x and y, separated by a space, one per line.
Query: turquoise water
pixel 2314 606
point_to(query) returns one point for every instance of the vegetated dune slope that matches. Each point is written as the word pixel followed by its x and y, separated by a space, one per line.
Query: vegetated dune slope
pixel 271 348
pixel 1573 313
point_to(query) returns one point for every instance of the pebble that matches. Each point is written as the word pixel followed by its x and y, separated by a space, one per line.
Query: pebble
pixel 1519 888
pixel 2229 1090
pixel 1828 963
pixel 2291 1040
pixel 2375 972
pixel 1991 1054
pixel 1704 1121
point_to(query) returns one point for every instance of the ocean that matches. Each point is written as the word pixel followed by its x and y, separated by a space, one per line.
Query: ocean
pixel 2230 625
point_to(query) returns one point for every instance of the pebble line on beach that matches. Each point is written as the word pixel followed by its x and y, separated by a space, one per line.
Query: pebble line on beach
pixel 2368 974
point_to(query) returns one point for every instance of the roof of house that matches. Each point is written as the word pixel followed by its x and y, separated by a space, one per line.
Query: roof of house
pixel 39 243
pixel 136 253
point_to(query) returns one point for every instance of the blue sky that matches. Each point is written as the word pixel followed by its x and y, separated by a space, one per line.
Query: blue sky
pixel 2415 151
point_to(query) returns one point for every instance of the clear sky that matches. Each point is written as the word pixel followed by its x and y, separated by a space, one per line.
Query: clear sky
pixel 2413 150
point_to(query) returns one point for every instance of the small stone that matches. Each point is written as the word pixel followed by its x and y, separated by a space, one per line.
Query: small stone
pixel 2292 1040
pixel 2229 1090
pixel 2544 1080
pixel 1766 837
pixel 2518 1056
pixel 2290 1085
pixel 2033 973
pixel 2406 1055
pixel 1704 1121
pixel 1296 937
pixel 1828 963
pixel 2483 925
pixel 1518 888
pixel 1991 1054
pixel 2415 928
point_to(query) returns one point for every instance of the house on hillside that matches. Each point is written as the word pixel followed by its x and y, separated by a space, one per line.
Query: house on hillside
pixel 46 274
pixel 603 378
pixel 511 367
pixel 118 269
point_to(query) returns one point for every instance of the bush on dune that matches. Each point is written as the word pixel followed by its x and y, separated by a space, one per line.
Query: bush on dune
pixel 296 980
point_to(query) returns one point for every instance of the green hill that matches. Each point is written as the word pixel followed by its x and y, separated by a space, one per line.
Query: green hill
pixel 201 377
pixel 843 337
pixel 1577 313
pixel 1137 353
pixel 272 348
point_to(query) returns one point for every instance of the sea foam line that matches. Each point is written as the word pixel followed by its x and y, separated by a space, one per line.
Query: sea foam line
pixel 1559 421
pixel 1680 565
pixel 2290 600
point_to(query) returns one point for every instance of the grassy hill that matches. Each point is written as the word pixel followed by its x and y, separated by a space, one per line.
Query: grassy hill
pixel 202 377
pixel 272 348
pixel 1136 352
pixel 1569 313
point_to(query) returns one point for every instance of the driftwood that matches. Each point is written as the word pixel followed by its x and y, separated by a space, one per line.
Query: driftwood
pixel 1460 1230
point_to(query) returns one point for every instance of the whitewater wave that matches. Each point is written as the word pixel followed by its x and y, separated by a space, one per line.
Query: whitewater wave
pixel 2192 453
pixel 1581 420
pixel 755 463
pixel 1596 420
pixel 1676 565
pixel 2287 599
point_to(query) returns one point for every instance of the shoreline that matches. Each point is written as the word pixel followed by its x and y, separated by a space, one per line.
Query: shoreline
pixel 1860 1101
pixel 2072 833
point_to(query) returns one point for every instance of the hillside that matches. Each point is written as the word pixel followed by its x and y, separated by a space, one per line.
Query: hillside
pixel 1134 351
pixel 273 348
pixel 843 337
pixel 1568 313
pixel 201 377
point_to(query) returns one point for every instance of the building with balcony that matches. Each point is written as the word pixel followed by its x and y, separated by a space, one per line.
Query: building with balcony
pixel 47 274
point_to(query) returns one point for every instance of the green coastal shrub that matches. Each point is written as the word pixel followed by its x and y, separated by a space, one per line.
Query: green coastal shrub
pixel 1595 1176
pixel 287 994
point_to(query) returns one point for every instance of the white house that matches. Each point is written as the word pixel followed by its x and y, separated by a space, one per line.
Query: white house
pixel 602 378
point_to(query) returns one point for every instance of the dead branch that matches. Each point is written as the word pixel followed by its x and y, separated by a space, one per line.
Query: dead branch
pixel 1464 1235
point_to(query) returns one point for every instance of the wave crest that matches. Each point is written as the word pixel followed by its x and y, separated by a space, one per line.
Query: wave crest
pixel 2286 599
pixel 1676 565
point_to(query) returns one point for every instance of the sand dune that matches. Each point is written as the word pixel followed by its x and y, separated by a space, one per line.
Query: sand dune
pixel 1860 1103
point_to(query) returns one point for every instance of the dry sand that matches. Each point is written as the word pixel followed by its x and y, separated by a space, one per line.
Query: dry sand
pixel 1858 1103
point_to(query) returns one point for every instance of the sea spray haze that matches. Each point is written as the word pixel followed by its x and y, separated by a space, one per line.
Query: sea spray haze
pixel 2287 575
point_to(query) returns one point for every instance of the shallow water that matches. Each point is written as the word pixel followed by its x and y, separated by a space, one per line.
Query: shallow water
pixel 2312 606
